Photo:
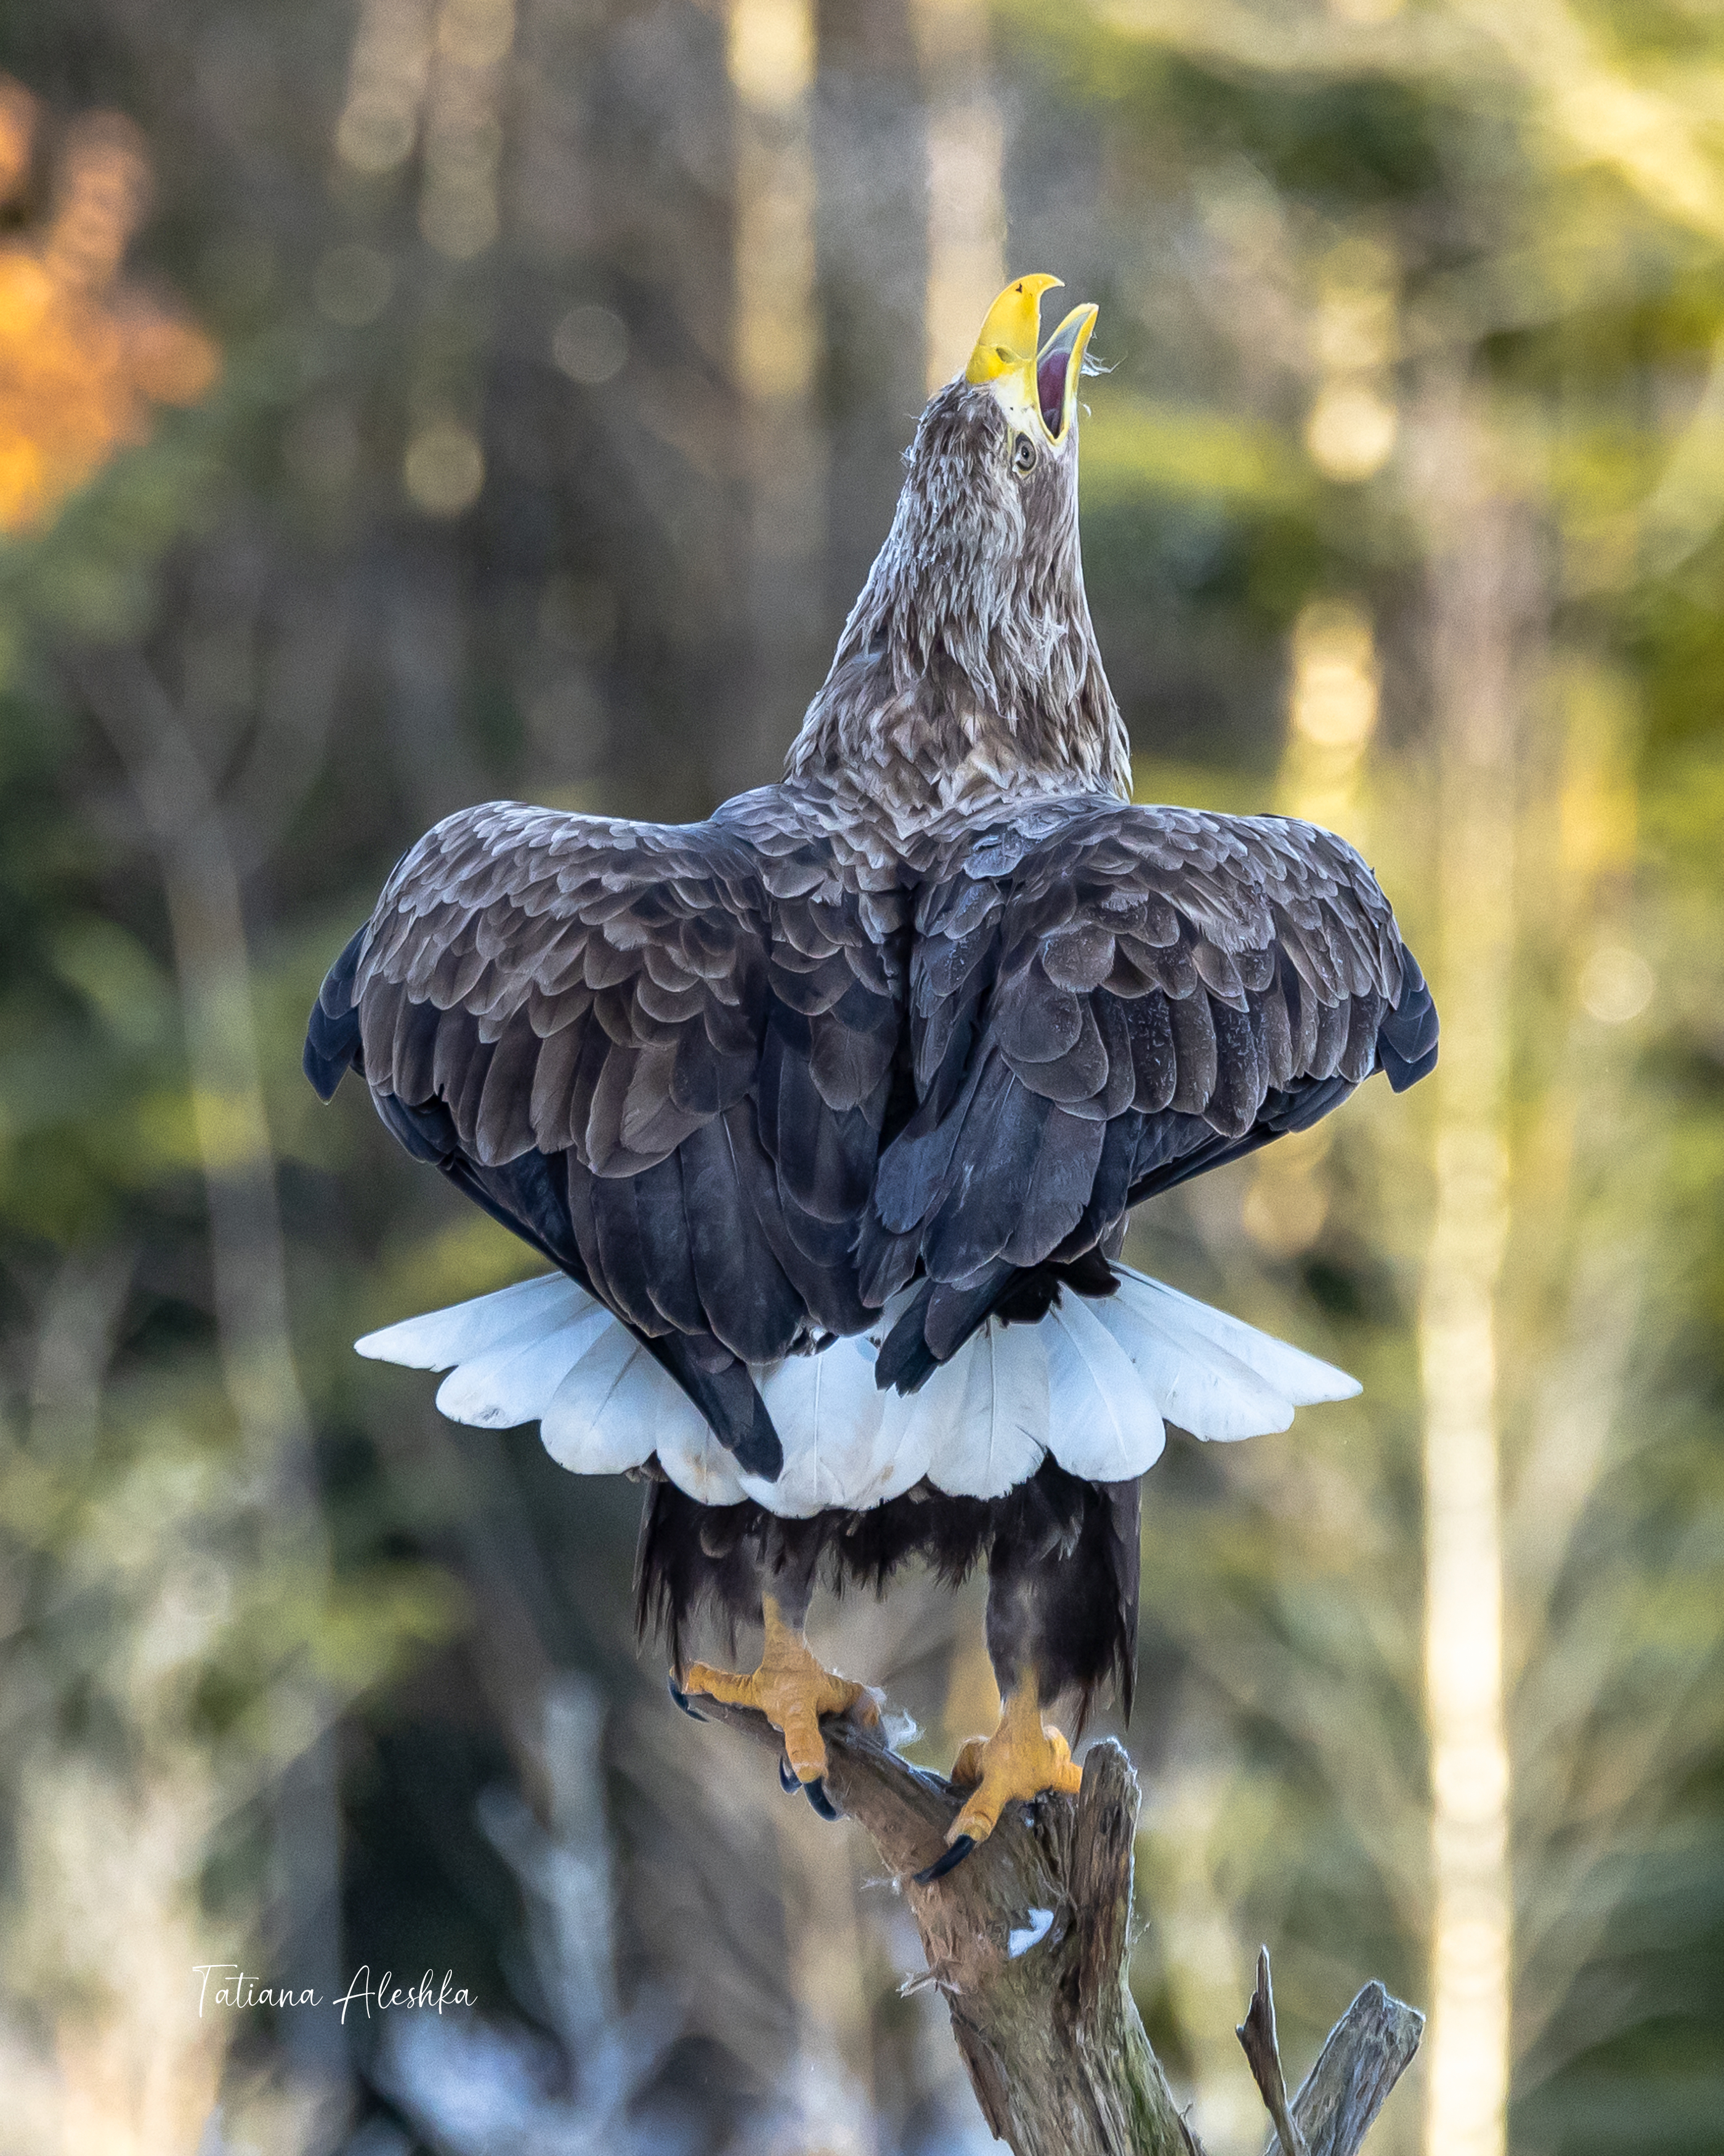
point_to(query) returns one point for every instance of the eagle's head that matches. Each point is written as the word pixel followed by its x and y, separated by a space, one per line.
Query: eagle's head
pixel 988 511
pixel 968 663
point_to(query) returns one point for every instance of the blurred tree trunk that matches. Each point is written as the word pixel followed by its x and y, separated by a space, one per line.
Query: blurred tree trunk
pixel 776 345
pixel 1482 574
pixel 966 168
pixel 871 147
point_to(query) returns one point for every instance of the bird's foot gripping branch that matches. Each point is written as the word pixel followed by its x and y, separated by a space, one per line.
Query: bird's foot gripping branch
pixel 1022 1760
pixel 791 1690
pixel 1028 1942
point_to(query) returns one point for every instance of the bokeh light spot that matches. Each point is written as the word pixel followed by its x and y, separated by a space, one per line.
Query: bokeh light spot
pixel 1350 433
pixel 1334 696
pixel 590 345
pixel 444 469
pixel 1616 984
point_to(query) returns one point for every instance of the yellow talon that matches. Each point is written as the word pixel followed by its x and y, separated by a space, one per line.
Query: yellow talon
pixel 1020 1760
pixel 791 1690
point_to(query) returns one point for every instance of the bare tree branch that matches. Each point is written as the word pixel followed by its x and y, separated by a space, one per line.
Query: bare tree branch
pixel 1029 1940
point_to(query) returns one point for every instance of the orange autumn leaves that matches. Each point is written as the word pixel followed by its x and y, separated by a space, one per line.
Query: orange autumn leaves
pixel 84 353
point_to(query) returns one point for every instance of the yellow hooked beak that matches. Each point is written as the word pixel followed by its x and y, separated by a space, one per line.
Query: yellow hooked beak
pixel 1037 388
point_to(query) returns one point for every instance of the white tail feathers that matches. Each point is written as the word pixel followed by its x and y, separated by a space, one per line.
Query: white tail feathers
pixel 611 1406
pixel 1104 1424
pixel 832 1419
pixel 517 1381
pixel 1093 1384
pixel 441 1338
pixel 986 1413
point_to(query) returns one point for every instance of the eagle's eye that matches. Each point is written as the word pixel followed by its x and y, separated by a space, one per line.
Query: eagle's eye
pixel 1023 454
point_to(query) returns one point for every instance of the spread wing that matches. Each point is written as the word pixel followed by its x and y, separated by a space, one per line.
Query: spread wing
pixel 662 1053
pixel 1104 1000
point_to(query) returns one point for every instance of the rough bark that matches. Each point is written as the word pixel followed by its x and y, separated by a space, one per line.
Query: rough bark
pixel 1029 1940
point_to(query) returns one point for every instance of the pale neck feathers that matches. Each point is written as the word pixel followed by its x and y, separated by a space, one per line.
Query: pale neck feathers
pixel 968 671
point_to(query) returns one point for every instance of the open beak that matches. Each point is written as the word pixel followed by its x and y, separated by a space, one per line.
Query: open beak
pixel 1058 366
pixel 1036 387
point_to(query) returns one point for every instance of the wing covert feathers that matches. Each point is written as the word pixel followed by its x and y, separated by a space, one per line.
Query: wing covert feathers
pixel 1104 1000
pixel 662 1053
pixel 787 1081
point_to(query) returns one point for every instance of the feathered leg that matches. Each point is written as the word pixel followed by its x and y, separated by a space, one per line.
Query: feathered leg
pixel 790 1687
pixel 1062 1614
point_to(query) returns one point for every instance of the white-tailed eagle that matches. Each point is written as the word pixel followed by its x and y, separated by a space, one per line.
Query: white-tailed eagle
pixel 828 1112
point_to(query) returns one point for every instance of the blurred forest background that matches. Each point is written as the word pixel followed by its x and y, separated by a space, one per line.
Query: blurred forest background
pixel 407 402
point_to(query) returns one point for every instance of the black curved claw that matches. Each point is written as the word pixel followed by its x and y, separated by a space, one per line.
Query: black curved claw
pixel 681 1697
pixel 815 1792
pixel 950 1862
pixel 787 1777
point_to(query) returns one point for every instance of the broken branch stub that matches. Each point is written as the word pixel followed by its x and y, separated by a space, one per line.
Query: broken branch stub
pixel 1257 2036
pixel 1364 2054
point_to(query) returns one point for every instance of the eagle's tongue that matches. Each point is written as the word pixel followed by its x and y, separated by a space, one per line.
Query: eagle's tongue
pixel 1050 386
